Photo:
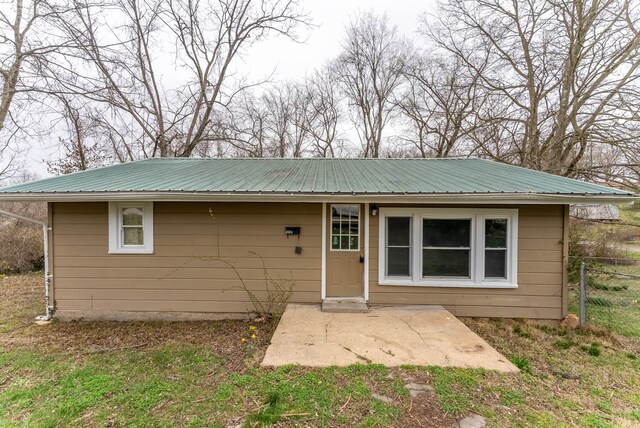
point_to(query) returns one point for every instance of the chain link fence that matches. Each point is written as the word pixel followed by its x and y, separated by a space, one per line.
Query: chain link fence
pixel 606 293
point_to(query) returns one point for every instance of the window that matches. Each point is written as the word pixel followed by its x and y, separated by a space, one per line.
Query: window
pixel 345 227
pixel 495 248
pixel 131 228
pixel 448 247
pixel 398 246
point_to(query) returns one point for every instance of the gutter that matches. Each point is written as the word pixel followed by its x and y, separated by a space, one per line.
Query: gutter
pixel 399 198
pixel 47 275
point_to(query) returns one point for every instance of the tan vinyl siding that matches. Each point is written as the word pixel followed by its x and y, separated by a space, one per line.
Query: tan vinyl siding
pixel 183 274
pixel 541 275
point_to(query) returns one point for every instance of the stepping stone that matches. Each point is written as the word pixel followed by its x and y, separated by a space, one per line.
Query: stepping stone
pixel 472 421
pixel 416 389
pixel 382 398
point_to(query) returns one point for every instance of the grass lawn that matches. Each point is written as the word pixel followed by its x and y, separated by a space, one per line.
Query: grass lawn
pixel 202 374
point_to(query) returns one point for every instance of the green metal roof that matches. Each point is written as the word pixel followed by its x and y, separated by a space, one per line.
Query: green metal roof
pixel 310 176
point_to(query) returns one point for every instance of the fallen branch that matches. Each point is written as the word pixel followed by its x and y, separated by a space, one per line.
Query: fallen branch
pixel 288 415
pixel 345 404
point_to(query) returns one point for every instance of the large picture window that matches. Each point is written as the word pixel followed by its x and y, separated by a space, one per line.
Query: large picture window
pixel 131 228
pixel 448 247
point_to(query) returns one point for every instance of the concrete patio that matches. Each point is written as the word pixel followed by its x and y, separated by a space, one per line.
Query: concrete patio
pixel 393 336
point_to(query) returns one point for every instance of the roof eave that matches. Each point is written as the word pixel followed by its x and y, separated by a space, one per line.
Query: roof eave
pixel 435 198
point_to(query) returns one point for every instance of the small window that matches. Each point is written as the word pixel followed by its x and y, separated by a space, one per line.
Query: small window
pixel 131 228
pixel 345 227
pixel 398 246
pixel 495 248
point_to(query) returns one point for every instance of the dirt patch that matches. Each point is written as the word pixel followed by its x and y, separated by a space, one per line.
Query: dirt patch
pixel 425 413
pixel 423 410
pixel 19 307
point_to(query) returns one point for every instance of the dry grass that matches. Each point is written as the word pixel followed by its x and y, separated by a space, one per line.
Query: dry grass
pixel 202 374
pixel 21 299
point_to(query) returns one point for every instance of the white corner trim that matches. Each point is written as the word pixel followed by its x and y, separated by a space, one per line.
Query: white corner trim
pixel 366 252
pixel 323 275
pixel 115 244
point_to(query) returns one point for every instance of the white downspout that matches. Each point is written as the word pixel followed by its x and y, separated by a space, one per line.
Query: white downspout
pixel 323 274
pixel 47 276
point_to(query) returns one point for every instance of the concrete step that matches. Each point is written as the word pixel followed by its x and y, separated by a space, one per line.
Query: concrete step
pixel 345 305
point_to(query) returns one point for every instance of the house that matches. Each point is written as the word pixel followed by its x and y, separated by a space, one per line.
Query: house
pixel 598 212
pixel 184 238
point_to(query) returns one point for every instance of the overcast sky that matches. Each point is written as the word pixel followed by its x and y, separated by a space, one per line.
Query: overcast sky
pixel 291 60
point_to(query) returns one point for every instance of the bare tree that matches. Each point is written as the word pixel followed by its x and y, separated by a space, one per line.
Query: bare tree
pixel 165 112
pixel 24 45
pixel 370 71
pixel 286 105
pixel 562 73
pixel 270 124
pixel 442 106
pixel 324 115
pixel 88 141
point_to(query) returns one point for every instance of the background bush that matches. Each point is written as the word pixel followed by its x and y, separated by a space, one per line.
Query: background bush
pixel 21 242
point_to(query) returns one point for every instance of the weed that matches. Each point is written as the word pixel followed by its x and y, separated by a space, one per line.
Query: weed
pixel 521 362
pixel 595 421
pixel 599 301
pixel 510 398
pixel 593 349
pixel 564 343
pixel 604 287
pixel 521 332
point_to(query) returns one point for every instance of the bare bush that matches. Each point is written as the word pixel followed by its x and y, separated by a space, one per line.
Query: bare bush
pixel 21 242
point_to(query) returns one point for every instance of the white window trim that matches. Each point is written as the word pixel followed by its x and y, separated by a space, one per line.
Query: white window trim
pixel 477 217
pixel 115 225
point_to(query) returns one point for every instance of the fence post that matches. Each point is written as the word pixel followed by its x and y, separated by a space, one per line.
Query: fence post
pixel 583 294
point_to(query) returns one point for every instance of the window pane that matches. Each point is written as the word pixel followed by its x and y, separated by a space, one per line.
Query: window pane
pixel 495 264
pixel 133 236
pixel 445 263
pixel 344 227
pixel 446 233
pixel 399 231
pixel 353 211
pixel 335 214
pixel 132 216
pixel 398 261
pixel 495 233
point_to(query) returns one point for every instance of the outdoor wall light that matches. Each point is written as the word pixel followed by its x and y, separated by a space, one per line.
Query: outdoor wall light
pixel 374 210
